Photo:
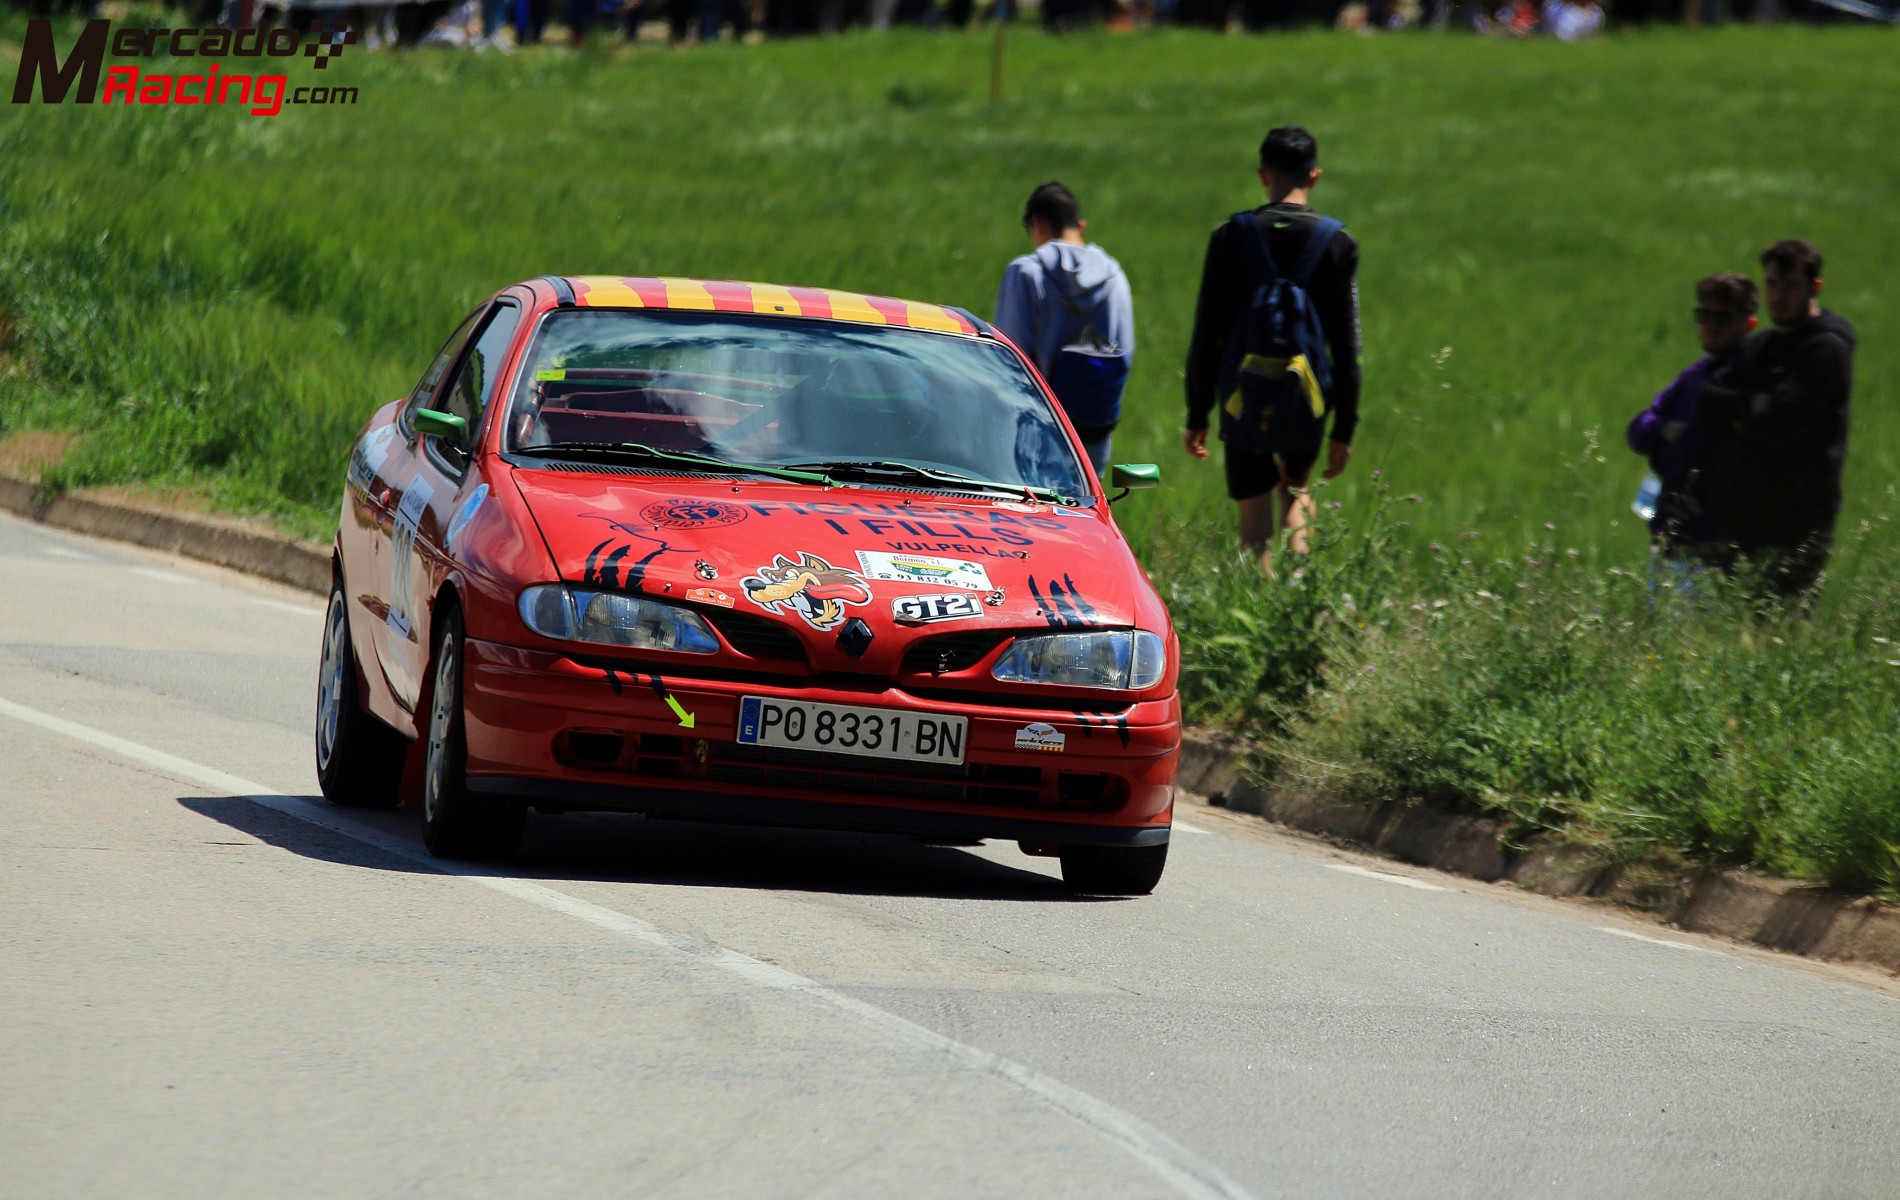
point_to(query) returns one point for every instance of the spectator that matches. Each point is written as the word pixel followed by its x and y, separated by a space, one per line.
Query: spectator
pixel 1270 488
pixel 1785 396
pixel 1067 304
pixel 1685 454
pixel 1573 20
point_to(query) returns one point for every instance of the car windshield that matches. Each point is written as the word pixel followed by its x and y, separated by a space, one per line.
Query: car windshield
pixel 855 403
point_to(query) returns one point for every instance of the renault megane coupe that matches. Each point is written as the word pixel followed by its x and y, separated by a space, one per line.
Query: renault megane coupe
pixel 746 553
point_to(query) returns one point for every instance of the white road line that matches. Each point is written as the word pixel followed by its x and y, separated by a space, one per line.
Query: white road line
pixel 63 552
pixel 302 610
pixel 162 575
pixel 1401 880
pixel 1180 1168
pixel 1656 941
pixel 1181 826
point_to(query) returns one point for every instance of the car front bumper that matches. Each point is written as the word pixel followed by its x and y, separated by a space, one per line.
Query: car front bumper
pixel 569 733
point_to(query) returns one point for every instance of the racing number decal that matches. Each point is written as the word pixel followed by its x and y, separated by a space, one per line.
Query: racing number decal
pixel 402 553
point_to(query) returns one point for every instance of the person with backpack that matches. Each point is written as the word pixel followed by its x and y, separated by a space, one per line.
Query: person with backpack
pixel 1067 305
pixel 1275 347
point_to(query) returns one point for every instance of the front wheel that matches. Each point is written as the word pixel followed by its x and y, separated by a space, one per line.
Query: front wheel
pixel 456 823
pixel 359 759
pixel 1113 870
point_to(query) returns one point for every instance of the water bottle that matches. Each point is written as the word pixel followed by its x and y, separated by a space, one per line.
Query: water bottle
pixel 1647 494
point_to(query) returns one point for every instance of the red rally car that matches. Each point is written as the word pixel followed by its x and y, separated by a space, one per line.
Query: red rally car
pixel 749 553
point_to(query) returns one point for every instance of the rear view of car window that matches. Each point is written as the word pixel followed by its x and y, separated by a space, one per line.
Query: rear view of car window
pixel 783 393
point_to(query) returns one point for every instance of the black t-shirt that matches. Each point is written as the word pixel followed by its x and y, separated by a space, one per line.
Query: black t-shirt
pixel 1228 285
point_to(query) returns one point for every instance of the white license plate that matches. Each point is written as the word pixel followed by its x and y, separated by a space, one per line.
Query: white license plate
pixel 845 729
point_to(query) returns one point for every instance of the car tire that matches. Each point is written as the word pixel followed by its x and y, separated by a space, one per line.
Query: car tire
pixel 455 822
pixel 359 759
pixel 1113 870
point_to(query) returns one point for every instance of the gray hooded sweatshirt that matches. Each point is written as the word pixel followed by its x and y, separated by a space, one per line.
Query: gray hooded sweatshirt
pixel 1031 308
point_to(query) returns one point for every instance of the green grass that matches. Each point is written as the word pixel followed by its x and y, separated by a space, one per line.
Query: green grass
pixel 219 298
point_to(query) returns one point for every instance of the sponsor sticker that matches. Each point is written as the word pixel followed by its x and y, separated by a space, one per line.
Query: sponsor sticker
pixel 945 606
pixel 709 596
pixel 463 515
pixel 1042 737
pixel 690 514
pixel 924 568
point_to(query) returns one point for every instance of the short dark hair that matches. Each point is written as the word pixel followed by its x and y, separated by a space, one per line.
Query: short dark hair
pixel 1727 290
pixel 1793 254
pixel 1054 203
pixel 1289 152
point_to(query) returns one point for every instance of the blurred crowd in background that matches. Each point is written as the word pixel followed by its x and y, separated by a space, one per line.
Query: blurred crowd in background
pixel 503 25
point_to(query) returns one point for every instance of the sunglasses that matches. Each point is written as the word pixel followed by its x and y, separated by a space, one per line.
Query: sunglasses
pixel 1717 316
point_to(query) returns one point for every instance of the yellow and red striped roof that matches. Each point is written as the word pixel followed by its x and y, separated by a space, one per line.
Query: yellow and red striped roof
pixel 763 299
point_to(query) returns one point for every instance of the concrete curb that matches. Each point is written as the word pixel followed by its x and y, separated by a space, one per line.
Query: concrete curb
pixel 1781 915
pixel 1775 913
pixel 220 540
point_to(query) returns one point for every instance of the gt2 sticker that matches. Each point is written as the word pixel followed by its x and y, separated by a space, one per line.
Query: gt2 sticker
pixel 690 514
pixel 1038 736
pixel 710 596
pixel 811 587
pixel 924 568
pixel 922 610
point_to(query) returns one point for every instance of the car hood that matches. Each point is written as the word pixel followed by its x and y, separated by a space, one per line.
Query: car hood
pixel 909 565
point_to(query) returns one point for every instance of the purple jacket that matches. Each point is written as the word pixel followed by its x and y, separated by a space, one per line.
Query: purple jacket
pixel 1688 467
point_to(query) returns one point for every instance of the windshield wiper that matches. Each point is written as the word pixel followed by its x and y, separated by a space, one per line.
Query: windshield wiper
pixel 684 458
pixel 863 468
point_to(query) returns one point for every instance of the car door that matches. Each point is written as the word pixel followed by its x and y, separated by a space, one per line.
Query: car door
pixel 380 584
pixel 439 483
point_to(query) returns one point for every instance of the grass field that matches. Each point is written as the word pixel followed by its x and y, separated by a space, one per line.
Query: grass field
pixel 219 298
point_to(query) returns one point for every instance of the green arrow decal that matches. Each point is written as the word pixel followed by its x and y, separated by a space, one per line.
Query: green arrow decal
pixel 685 717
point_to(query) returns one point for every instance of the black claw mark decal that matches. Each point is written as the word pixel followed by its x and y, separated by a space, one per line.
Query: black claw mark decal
pixel 612 571
pixel 613 678
pixel 659 689
pixel 1064 606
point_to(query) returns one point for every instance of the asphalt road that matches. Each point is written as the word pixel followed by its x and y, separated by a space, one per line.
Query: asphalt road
pixel 212 984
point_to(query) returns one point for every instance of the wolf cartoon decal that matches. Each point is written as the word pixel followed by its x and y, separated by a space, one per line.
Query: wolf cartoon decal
pixel 809 586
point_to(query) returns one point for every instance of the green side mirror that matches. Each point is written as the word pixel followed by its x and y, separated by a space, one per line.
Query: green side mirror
pixel 1134 476
pixel 442 424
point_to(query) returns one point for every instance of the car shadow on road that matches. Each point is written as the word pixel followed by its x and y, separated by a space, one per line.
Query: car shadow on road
pixel 615 848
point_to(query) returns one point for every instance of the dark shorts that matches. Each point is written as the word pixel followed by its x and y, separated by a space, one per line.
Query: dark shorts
pixel 1250 474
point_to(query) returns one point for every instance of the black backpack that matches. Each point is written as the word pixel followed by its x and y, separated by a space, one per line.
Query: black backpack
pixel 1275 374
pixel 1089 373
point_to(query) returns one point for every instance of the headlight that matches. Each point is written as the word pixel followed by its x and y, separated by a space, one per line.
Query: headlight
pixel 614 619
pixel 1124 659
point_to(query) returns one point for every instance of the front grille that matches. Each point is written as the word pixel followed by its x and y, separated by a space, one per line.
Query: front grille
pixel 949 652
pixel 825 776
pixel 757 637
pixel 849 774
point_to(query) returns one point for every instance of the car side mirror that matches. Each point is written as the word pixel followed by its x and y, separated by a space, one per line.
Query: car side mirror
pixel 1134 476
pixel 447 425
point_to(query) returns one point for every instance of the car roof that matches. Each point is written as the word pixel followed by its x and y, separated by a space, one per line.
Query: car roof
pixel 763 299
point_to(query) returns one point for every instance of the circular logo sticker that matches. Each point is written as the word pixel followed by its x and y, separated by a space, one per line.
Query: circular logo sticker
pixel 685 514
